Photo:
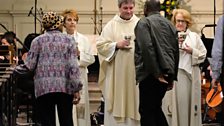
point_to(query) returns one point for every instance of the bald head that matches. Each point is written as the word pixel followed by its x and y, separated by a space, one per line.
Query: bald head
pixel 151 5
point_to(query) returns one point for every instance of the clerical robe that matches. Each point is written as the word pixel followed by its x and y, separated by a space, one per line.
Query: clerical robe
pixel 117 73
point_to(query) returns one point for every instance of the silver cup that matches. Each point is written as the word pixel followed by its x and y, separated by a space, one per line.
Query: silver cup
pixel 127 37
pixel 181 36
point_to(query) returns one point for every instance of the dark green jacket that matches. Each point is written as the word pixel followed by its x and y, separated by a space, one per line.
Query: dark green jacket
pixel 156 47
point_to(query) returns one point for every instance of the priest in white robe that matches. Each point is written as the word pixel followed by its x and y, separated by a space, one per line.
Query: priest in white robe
pixel 115 48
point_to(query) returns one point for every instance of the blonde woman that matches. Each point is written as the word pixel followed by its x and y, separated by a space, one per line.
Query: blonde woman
pixel 186 105
pixel 86 58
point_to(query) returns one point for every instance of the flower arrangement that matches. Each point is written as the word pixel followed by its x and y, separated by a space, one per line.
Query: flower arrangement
pixel 167 6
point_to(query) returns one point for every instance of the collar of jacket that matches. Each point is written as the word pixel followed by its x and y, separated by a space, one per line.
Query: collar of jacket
pixel 152 13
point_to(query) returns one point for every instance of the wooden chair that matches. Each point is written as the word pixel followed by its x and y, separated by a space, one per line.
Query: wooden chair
pixel 8 51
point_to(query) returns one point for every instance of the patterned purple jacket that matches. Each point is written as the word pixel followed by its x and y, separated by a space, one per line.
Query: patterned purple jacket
pixel 57 68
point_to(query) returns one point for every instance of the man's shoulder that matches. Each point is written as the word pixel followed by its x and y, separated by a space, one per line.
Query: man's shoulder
pixel 148 20
pixel 142 22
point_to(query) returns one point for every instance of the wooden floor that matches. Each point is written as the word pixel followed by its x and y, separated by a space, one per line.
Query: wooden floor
pixel 95 95
pixel 22 121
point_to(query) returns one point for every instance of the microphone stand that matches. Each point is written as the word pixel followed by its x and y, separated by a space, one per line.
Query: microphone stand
pixel 31 13
pixel 40 13
pixel 17 39
pixel 101 19
pixel 101 16
pixel 35 17
pixel 95 27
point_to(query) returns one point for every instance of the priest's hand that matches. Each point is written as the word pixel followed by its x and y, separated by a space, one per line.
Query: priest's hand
pixel 76 98
pixel 123 44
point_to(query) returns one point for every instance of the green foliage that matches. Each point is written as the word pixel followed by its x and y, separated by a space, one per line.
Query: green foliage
pixel 168 6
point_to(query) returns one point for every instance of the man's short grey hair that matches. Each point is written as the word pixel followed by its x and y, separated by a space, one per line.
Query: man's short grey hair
pixel 124 1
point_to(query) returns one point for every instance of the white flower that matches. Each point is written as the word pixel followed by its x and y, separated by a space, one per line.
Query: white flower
pixel 162 1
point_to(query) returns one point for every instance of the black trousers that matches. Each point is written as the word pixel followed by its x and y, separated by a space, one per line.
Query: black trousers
pixel 151 94
pixel 46 109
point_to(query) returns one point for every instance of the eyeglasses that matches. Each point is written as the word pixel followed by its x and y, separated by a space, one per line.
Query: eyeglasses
pixel 180 21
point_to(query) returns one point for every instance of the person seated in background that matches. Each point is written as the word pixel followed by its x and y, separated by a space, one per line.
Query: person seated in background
pixel 9 38
pixel 27 43
pixel 26 85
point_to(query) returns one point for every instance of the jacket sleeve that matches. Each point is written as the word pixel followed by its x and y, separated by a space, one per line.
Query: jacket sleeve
pixel 105 44
pixel 217 50
pixel 73 69
pixel 32 56
pixel 199 53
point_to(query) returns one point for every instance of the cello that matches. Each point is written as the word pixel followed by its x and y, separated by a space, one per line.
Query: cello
pixel 206 110
pixel 214 98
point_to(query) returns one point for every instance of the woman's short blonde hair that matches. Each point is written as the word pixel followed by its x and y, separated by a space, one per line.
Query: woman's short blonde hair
pixel 70 12
pixel 186 15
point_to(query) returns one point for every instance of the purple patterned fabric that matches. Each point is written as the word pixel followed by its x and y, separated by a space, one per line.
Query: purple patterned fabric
pixel 57 68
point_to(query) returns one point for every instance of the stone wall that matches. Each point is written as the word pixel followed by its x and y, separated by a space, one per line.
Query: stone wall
pixel 93 14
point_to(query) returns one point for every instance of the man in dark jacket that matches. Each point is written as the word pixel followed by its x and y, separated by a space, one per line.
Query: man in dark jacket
pixel 156 61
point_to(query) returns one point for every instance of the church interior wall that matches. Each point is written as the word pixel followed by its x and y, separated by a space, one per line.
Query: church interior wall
pixel 93 14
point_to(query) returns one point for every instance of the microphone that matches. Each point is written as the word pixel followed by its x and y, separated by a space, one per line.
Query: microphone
pixel 41 12
pixel 30 11
pixel 95 25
